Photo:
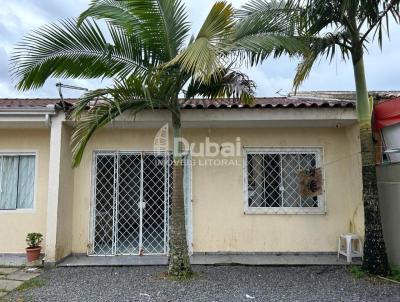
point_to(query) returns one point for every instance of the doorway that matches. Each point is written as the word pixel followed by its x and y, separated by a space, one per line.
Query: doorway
pixel 131 203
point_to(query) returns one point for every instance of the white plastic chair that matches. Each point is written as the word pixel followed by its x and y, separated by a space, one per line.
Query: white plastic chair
pixel 348 249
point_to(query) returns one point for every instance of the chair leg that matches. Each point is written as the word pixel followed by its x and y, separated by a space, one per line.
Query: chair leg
pixel 348 248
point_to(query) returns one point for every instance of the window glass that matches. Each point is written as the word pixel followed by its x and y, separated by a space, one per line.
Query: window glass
pixel 17 177
pixel 283 179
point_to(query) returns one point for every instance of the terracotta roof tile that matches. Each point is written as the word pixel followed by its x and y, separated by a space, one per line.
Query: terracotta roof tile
pixel 268 102
pixel 307 99
pixel 30 103
pixel 271 102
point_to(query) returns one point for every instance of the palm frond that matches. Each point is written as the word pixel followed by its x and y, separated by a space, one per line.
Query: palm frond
pixel 161 24
pixel 256 48
pixel 326 46
pixel 267 28
pixel 204 56
pixel 66 50
pixel 303 69
pixel 232 84
pixel 97 108
pixel 105 111
pixel 114 11
pixel 378 15
pixel 259 11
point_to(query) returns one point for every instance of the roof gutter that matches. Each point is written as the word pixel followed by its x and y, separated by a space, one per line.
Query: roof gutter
pixel 49 109
pixel 42 114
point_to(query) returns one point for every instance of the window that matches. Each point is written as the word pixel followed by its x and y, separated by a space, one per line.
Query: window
pixel 17 179
pixel 283 181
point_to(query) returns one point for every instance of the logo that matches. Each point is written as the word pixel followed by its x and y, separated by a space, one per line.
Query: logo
pixel 204 152
pixel 161 140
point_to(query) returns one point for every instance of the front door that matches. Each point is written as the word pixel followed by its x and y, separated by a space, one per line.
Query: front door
pixel 131 203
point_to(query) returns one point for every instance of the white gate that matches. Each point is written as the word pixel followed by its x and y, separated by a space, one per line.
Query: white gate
pixel 131 203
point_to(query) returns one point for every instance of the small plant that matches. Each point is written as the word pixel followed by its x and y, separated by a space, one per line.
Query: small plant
pixel 33 240
pixel 357 272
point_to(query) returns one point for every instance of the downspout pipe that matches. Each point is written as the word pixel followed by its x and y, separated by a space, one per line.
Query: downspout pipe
pixel 48 116
pixel 48 120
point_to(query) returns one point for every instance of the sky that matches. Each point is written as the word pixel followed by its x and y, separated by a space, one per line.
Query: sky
pixel 273 77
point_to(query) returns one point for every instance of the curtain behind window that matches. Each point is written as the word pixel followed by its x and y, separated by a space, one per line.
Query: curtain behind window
pixel 26 182
pixel 9 181
pixel 17 176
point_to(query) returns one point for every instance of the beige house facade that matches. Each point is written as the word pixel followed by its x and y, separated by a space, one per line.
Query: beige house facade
pixel 281 176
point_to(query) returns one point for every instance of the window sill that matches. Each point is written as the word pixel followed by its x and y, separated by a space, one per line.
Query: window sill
pixel 18 211
pixel 285 211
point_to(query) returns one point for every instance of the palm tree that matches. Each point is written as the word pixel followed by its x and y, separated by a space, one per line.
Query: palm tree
pixel 150 62
pixel 345 27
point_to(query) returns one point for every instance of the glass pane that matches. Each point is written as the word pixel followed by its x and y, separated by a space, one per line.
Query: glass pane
pixel 307 163
pixel 272 180
pixel 290 169
pixel 255 180
pixel 8 182
pixel 264 180
pixel 128 213
pixel 154 211
pixel 275 179
pixel 293 165
pixel 105 205
pixel 26 181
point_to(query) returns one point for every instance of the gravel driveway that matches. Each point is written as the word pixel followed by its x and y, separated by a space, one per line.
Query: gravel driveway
pixel 212 283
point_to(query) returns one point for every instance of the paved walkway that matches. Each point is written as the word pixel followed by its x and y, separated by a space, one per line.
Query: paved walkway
pixel 211 284
pixel 214 258
pixel 11 278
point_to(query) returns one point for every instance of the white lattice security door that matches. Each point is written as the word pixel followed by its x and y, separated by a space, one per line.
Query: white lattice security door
pixel 130 211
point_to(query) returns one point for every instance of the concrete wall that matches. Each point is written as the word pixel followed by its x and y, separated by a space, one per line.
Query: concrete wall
pixel 219 222
pixel 64 230
pixel 60 192
pixel 15 224
pixel 389 195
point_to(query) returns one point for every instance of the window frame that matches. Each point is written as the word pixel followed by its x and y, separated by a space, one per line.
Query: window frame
pixel 320 210
pixel 16 152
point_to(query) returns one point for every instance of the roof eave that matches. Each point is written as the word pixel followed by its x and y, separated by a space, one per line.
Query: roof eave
pixel 48 110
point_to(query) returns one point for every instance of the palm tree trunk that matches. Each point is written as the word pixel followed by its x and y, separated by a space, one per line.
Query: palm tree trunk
pixel 179 263
pixel 375 258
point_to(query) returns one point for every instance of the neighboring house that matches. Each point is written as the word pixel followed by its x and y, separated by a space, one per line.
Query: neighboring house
pixel 387 127
pixel 292 183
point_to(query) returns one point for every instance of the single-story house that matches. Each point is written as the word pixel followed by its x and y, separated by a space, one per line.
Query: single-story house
pixel 282 175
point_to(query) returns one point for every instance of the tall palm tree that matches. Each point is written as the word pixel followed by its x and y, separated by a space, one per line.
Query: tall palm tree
pixel 344 27
pixel 151 61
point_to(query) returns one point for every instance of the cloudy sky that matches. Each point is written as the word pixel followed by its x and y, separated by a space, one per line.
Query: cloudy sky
pixel 18 17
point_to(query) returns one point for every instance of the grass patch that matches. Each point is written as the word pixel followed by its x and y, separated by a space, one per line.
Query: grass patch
pixel 18 300
pixel 33 283
pixel 395 275
pixel 357 272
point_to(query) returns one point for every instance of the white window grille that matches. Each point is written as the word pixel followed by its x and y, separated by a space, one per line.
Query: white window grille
pixel 131 203
pixel 17 181
pixel 273 181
